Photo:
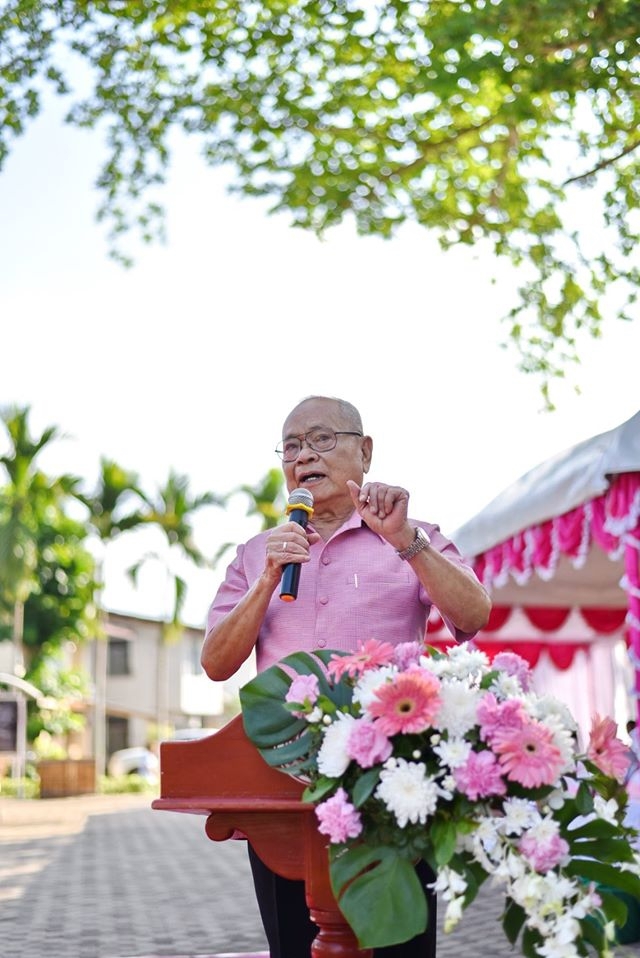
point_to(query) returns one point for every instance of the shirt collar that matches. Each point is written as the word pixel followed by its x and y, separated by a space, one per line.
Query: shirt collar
pixel 355 521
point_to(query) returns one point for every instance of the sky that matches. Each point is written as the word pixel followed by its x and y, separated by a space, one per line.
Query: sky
pixel 192 359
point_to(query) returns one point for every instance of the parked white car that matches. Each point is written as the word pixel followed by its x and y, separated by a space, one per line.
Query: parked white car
pixel 135 761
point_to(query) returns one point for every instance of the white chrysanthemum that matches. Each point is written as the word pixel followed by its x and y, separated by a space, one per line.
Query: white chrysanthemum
pixel 506 686
pixel 371 680
pixel 407 792
pixel 461 662
pixel 332 756
pixel 458 712
pixel 519 815
pixel 544 707
pixel 454 753
pixel 448 784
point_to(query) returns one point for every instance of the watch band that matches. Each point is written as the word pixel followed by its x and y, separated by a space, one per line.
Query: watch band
pixel 420 542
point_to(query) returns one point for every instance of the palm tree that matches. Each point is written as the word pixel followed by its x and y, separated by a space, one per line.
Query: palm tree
pixel 117 505
pixel 266 500
pixel 24 502
pixel 172 511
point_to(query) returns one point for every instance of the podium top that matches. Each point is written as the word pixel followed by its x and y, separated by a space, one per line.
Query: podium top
pixel 223 771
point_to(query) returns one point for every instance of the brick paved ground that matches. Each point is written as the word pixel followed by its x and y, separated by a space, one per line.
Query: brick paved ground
pixel 101 877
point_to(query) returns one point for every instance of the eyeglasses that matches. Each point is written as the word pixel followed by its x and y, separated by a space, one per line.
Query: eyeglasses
pixel 320 439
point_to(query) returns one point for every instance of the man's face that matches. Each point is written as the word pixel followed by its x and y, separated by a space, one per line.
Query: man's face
pixel 325 474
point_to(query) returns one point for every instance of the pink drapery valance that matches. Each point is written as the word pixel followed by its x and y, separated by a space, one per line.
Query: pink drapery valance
pixel 560 653
pixel 611 521
pixel 549 620
pixel 602 621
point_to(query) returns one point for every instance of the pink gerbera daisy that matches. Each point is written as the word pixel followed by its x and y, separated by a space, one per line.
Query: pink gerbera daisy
pixel 370 655
pixel 530 756
pixel 408 704
pixel 606 751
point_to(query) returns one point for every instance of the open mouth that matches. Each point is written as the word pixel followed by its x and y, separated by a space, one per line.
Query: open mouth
pixel 311 477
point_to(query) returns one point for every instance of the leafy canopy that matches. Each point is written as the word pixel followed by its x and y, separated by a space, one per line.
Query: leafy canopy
pixel 479 119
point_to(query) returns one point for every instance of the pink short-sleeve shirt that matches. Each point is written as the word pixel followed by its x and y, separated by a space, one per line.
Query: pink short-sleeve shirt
pixel 354 588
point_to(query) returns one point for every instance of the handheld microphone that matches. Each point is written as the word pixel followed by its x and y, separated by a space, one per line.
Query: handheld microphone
pixel 300 510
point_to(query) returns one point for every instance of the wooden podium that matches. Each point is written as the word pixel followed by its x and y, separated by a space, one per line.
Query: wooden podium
pixel 225 778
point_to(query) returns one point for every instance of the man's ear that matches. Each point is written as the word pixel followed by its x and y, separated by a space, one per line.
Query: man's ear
pixel 367 452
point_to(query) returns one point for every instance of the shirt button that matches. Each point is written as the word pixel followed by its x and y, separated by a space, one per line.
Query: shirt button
pixel 326 560
pixel 322 643
pixel 324 600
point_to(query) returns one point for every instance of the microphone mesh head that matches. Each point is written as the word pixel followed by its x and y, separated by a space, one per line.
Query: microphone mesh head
pixel 301 497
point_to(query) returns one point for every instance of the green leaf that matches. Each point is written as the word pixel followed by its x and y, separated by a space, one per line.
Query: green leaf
pixel 379 894
pixel 603 849
pixel 604 874
pixel 530 940
pixel 291 751
pixel 443 836
pixel 593 931
pixel 512 920
pixel 583 799
pixel 320 788
pixel 365 786
pixel 613 906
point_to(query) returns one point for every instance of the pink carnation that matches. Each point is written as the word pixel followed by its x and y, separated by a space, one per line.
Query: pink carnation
pixel 367 744
pixel 606 751
pixel 543 855
pixel 338 818
pixel 303 690
pixel 407 654
pixel 514 664
pixel 499 719
pixel 480 776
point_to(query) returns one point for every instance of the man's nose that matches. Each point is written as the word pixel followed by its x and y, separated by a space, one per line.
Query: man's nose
pixel 305 449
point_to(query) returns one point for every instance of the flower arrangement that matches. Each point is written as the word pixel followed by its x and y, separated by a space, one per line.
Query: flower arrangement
pixel 411 753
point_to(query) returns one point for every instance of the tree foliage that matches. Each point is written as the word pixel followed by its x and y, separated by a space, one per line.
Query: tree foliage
pixel 481 120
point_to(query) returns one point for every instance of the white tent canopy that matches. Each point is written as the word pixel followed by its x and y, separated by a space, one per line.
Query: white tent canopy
pixel 555 486
pixel 567 536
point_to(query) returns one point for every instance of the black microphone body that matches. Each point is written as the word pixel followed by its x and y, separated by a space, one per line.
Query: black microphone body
pixel 299 510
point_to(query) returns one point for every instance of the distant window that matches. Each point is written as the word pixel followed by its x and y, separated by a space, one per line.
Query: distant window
pixel 8 724
pixel 117 733
pixel 118 657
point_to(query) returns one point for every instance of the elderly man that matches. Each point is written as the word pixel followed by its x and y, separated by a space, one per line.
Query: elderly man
pixel 369 571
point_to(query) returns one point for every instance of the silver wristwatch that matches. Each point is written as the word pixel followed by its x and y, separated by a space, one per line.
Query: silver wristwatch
pixel 420 542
